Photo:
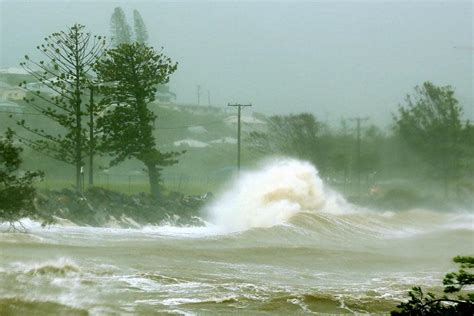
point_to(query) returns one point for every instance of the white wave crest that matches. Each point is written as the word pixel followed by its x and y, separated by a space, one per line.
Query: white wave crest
pixel 272 195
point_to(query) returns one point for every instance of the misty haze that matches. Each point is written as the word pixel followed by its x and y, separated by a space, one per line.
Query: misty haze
pixel 252 157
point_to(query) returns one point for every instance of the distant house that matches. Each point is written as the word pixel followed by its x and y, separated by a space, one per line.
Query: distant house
pixel 244 120
pixel 224 140
pixel 190 143
pixel 165 97
pixel 249 123
pixel 10 107
pixel 14 71
pixel 164 94
pixel 41 87
pixel 193 108
pixel 9 92
pixel 197 129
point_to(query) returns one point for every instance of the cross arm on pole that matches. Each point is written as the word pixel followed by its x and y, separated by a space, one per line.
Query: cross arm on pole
pixel 239 105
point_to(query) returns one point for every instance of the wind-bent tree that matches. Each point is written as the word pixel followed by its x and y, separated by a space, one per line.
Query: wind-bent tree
pixel 135 71
pixel 431 125
pixel 16 191
pixel 371 142
pixel 120 30
pixel 58 93
pixel 141 34
pixel 299 135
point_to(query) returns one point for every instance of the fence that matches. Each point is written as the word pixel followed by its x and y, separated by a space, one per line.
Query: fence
pixel 135 183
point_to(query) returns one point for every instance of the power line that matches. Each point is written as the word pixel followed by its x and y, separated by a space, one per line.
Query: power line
pixel 359 120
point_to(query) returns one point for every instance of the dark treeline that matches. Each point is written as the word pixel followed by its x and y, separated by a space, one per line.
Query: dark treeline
pixel 96 95
pixel 428 140
pixel 96 98
pixel 93 95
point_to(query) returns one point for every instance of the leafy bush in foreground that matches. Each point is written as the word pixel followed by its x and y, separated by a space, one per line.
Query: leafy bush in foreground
pixel 428 304
pixel 16 190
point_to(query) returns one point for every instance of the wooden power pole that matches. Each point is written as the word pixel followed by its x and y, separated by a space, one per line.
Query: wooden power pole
pixel 239 109
pixel 91 137
pixel 359 164
pixel 198 92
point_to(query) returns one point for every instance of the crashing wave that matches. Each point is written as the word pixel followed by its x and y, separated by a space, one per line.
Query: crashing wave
pixel 273 194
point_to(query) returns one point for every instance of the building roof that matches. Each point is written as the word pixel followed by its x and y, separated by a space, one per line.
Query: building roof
pixel 14 71
pixel 244 119
pixel 9 106
pixel 7 86
pixel 4 85
pixel 190 143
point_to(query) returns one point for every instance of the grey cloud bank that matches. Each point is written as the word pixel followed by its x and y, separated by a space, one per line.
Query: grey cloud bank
pixel 333 59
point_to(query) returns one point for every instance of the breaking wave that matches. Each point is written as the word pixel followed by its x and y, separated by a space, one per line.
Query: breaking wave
pixel 277 241
pixel 273 194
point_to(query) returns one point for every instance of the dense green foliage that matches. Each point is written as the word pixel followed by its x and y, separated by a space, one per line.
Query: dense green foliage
pixel 61 82
pixel 428 304
pixel 16 189
pixel 135 70
pixel 431 125
pixel 332 151
pixel 429 141
pixel 299 134
pixel 429 136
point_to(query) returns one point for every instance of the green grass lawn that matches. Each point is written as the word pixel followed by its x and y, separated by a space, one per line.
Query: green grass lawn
pixel 185 186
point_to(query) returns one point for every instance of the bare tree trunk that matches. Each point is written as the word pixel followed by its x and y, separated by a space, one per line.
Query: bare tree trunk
pixel 78 147
pixel 77 105
pixel 153 176
pixel 78 176
pixel 91 138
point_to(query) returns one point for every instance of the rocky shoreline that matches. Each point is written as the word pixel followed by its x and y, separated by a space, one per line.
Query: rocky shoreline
pixel 101 207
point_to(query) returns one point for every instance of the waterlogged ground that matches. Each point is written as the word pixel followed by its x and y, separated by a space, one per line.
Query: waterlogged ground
pixel 287 246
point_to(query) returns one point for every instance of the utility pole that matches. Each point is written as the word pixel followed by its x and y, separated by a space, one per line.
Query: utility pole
pixel 208 97
pixel 198 88
pixel 359 164
pixel 91 137
pixel 239 109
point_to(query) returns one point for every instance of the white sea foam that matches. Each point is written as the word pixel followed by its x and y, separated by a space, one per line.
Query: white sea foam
pixel 61 265
pixel 272 195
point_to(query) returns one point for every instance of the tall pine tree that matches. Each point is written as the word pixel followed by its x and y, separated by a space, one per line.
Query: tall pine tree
pixel 141 34
pixel 136 70
pixel 58 92
pixel 121 32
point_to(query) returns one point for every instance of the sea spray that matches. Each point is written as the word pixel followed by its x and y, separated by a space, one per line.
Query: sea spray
pixel 329 253
pixel 272 195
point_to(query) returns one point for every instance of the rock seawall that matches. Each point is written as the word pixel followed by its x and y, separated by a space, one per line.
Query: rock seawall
pixel 101 207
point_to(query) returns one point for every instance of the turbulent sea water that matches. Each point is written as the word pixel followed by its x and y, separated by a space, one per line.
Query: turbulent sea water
pixel 277 242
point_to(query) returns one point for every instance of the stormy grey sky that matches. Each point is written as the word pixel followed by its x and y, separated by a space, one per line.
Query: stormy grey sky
pixel 333 59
